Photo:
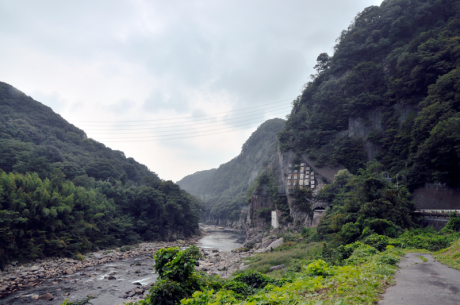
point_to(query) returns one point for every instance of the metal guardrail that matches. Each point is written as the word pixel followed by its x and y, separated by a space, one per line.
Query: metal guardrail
pixel 443 212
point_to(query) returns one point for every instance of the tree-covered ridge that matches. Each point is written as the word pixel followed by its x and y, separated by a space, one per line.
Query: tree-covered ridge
pixel 53 217
pixel 224 189
pixel 35 139
pixel 403 53
pixel 198 183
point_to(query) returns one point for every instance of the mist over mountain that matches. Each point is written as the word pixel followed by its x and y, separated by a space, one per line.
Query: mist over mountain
pixel 224 189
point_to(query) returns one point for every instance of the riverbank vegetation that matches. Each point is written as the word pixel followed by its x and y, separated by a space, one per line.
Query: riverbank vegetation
pixel 349 259
pixel 59 217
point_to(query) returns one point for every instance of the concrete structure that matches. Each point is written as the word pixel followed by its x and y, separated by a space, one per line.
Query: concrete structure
pixel 435 203
pixel 303 178
pixel 275 220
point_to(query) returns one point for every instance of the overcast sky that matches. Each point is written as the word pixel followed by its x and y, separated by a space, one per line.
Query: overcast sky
pixel 177 85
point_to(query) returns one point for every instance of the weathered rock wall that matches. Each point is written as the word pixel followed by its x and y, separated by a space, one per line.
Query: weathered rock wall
pixel 255 224
pixel 372 121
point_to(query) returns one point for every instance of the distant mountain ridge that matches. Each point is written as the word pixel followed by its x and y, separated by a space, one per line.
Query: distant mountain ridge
pixel 198 182
pixel 33 138
pixel 224 189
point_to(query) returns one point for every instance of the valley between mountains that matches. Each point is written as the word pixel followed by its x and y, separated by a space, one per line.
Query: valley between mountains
pixel 323 206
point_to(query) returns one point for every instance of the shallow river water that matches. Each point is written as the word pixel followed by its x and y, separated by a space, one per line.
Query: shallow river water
pixel 128 274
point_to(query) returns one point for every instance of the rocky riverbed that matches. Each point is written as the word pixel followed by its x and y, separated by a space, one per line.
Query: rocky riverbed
pixel 111 276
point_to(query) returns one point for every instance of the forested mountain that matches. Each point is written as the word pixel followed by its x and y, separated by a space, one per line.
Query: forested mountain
pixel 198 183
pixel 63 194
pixel 224 190
pixel 392 86
pixel 33 138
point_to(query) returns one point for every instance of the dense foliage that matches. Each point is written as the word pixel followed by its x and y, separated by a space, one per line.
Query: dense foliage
pixel 224 189
pixel 364 204
pixel 56 217
pixel 35 139
pixel 395 59
pixel 315 282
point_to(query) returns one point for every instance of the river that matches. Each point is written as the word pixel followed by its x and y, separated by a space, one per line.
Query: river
pixel 127 275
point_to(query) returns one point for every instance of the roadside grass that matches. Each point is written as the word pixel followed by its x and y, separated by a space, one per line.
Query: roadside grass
pixel 415 250
pixel 424 259
pixel 450 256
pixel 287 255
pixel 361 281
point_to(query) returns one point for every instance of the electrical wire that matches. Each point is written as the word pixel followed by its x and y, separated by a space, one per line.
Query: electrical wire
pixel 254 112
pixel 168 139
pixel 181 127
pixel 196 115
pixel 177 134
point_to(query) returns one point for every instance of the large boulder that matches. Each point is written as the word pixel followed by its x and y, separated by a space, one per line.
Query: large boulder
pixel 275 244
pixel 47 297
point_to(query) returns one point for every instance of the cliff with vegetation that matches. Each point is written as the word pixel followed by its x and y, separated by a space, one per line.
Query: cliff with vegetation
pixel 224 189
pixel 390 92
pixel 62 194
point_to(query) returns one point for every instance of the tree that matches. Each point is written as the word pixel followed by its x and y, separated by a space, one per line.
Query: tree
pixel 322 63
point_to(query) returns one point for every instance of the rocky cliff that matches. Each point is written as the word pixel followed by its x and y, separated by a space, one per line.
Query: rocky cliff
pixel 224 189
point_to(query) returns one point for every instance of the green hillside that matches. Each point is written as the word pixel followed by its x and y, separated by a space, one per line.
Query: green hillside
pixel 62 194
pixel 224 189
pixel 392 85
pixel 198 183
pixel 33 138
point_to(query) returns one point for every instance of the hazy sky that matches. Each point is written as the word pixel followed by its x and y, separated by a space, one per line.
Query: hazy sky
pixel 177 85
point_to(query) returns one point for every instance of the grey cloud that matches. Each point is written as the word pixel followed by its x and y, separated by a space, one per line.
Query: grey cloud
pixel 158 101
pixel 121 107
pixel 165 54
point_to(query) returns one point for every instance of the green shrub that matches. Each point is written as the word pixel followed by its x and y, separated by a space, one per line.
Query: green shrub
pixel 388 259
pixel 265 214
pixel 178 278
pixel 79 257
pixel 306 232
pixel 377 241
pixel 166 292
pixel 382 227
pixel 426 238
pixel 347 250
pixel 256 279
pixel 84 301
pixel 349 232
pixel 361 254
pixel 239 288
pixel 453 224
pixel 125 248
pixel 170 263
pixel 318 267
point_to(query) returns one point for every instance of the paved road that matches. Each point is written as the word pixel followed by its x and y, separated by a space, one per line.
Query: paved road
pixel 419 283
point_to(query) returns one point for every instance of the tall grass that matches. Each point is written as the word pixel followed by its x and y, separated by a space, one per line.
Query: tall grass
pixel 286 254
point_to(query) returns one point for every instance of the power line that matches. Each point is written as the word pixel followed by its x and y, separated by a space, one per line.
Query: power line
pixel 193 125
pixel 254 112
pixel 177 134
pixel 193 116
pixel 168 139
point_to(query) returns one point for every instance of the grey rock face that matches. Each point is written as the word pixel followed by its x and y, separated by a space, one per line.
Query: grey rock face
pixel 277 267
